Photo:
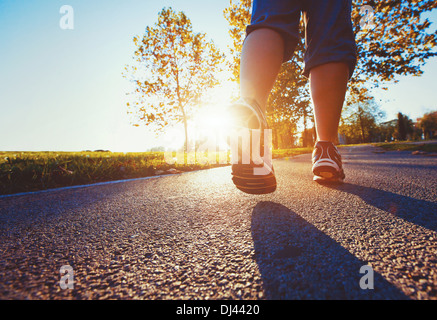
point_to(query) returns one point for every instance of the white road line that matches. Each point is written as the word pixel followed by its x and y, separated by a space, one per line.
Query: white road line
pixel 83 186
pixel 96 184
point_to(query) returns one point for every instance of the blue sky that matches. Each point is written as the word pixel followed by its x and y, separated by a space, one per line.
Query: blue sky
pixel 62 90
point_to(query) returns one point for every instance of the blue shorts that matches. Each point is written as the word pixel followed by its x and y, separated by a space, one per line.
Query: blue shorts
pixel 329 35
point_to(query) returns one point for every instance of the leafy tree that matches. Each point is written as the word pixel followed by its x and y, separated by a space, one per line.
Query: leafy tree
pixel 398 43
pixel 290 97
pixel 387 130
pixel 238 15
pixel 283 135
pixel 174 66
pixel 289 100
pixel 402 129
pixel 417 132
pixel 428 123
pixel 360 121
pixel 409 125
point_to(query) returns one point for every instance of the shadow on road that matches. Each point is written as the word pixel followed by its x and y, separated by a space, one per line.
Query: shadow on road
pixel 419 212
pixel 298 261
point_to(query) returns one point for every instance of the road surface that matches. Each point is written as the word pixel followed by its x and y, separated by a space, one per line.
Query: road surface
pixel 195 236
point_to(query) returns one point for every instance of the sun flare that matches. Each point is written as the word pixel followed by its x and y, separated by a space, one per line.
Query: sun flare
pixel 212 121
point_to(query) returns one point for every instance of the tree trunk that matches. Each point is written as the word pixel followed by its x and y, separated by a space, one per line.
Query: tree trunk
pixel 304 140
pixel 186 140
pixel 363 137
pixel 275 138
pixel 186 134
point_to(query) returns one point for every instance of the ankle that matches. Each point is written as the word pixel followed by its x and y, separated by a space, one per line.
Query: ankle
pixel 327 139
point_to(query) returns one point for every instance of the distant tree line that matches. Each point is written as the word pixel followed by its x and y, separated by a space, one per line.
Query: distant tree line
pixel 365 126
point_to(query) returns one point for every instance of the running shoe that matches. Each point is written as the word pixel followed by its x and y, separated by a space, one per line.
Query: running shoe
pixel 252 176
pixel 327 164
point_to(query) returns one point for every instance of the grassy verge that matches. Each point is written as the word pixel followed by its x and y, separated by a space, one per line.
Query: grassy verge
pixel 405 146
pixel 33 171
pixel 284 153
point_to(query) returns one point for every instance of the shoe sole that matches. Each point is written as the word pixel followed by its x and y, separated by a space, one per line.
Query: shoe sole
pixel 327 173
pixel 245 181
pixel 322 180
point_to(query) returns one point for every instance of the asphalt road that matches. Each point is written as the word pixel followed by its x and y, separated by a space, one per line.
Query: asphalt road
pixel 195 236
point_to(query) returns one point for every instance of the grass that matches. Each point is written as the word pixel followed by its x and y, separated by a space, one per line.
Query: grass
pixel 405 146
pixel 33 171
pixel 284 153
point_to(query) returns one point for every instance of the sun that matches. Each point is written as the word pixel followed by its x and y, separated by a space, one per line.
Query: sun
pixel 212 118
pixel 212 121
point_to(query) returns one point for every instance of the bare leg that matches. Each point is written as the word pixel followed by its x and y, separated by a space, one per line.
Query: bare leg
pixel 261 60
pixel 328 85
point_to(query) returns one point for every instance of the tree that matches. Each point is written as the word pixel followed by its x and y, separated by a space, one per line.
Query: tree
pixel 398 43
pixel 402 129
pixel 360 122
pixel 238 15
pixel 428 123
pixel 387 130
pixel 290 99
pixel 174 66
